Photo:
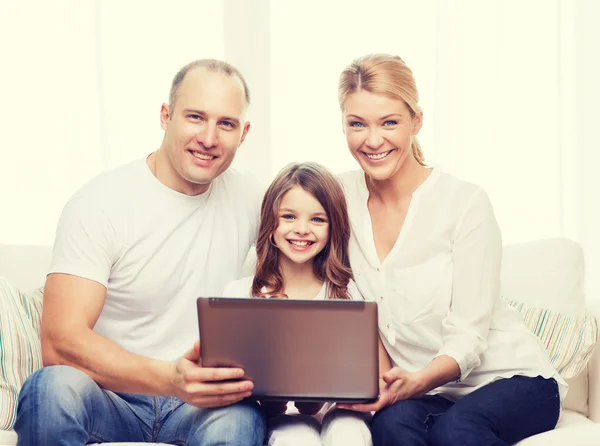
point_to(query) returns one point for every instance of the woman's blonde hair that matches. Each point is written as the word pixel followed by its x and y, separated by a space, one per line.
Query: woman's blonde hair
pixel 386 75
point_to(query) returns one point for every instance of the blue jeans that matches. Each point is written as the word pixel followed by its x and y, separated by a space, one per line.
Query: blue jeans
pixel 61 405
pixel 498 414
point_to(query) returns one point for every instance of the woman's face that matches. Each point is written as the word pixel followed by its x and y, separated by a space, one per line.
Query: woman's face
pixel 379 132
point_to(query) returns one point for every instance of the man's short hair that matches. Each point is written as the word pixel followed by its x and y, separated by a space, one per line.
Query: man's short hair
pixel 215 65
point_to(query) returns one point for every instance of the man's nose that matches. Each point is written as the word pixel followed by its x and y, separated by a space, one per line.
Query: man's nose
pixel 208 136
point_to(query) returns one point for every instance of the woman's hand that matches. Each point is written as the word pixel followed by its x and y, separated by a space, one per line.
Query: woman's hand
pixel 398 385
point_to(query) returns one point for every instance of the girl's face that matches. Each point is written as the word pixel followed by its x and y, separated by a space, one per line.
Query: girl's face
pixel 379 132
pixel 303 229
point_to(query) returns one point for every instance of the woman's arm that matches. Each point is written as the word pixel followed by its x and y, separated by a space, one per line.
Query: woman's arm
pixel 476 258
pixel 385 364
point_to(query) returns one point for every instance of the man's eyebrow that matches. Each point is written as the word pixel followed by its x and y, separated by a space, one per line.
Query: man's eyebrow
pixel 202 113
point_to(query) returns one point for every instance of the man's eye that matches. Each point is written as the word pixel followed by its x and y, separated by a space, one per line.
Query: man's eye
pixel 228 124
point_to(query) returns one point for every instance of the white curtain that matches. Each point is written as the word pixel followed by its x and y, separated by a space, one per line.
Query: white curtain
pixel 509 90
pixel 81 85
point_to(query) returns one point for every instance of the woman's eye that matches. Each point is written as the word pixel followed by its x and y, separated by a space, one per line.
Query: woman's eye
pixel 390 123
pixel 356 124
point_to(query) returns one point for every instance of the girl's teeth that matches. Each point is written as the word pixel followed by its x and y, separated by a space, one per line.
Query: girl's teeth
pixel 298 243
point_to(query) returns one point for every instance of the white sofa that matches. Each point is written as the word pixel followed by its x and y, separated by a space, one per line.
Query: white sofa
pixel 546 273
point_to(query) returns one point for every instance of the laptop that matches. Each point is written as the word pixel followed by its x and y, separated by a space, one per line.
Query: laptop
pixel 294 350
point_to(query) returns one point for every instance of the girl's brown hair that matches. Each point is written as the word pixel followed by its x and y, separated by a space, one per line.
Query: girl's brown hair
pixel 386 75
pixel 332 264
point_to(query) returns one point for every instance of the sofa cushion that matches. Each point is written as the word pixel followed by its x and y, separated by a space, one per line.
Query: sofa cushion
pixel 20 349
pixel 569 340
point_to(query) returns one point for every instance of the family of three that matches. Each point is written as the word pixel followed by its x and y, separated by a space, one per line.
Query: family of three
pixel 137 245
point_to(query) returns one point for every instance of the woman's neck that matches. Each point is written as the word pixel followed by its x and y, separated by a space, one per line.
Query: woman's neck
pixel 402 185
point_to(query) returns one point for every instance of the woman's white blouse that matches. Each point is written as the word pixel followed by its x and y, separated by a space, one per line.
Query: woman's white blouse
pixel 438 290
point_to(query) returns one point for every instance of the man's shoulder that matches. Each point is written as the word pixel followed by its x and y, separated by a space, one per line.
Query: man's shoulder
pixel 242 189
pixel 111 184
pixel 238 180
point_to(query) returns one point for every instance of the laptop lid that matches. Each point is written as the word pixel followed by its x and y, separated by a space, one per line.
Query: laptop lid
pixel 294 350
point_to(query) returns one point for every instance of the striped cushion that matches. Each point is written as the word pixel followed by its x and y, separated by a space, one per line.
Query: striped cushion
pixel 20 349
pixel 569 340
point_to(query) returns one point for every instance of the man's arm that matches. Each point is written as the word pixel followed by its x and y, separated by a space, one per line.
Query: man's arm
pixel 72 306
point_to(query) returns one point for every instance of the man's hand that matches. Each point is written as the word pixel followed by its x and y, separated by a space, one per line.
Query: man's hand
pixel 204 387
pixel 399 385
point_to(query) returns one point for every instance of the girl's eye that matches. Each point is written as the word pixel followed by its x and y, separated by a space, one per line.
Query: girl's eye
pixel 319 220
pixel 287 216
pixel 390 123
pixel 356 124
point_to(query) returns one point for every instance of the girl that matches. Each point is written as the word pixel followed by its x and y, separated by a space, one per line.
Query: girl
pixel 302 253
pixel 426 246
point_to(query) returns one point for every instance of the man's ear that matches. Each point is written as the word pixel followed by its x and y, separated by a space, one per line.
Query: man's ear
pixel 244 132
pixel 165 115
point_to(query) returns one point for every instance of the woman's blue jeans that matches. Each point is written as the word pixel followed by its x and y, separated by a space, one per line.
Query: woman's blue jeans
pixel 498 414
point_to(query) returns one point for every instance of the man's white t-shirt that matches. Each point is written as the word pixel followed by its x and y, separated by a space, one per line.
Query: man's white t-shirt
pixel 156 251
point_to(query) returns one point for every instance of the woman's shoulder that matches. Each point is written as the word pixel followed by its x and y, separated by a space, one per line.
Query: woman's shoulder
pixel 239 288
pixel 352 180
pixel 453 189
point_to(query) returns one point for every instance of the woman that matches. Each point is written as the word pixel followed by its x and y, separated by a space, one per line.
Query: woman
pixel 426 246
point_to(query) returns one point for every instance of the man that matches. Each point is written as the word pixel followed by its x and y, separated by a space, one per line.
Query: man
pixel 134 249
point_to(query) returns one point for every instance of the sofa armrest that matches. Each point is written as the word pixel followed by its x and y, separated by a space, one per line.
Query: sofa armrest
pixel 593 309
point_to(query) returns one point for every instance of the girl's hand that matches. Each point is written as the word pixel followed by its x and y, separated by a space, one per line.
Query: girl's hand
pixel 273 408
pixel 399 385
pixel 308 408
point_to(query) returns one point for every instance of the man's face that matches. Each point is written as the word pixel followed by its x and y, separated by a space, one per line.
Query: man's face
pixel 203 129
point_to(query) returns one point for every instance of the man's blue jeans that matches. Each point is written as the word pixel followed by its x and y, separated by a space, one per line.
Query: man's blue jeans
pixel 63 406
pixel 498 414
